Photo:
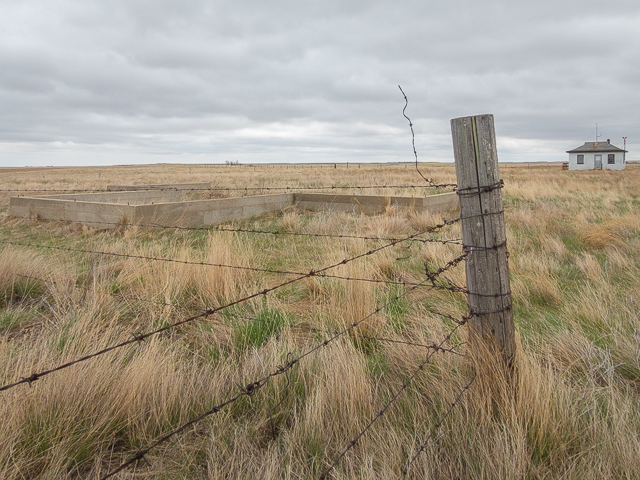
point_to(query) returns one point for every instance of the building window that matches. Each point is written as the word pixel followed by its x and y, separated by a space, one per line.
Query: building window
pixel 611 159
pixel 580 159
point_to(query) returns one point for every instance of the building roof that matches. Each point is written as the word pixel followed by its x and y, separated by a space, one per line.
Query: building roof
pixel 596 147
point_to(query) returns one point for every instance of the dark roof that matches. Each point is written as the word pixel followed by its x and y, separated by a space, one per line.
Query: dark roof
pixel 596 147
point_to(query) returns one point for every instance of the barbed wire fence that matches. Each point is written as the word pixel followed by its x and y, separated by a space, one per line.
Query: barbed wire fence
pixel 434 279
pixel 431 184
pixel 251 388
pixel 321 272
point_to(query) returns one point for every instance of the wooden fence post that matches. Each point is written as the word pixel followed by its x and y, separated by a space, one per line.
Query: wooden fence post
pixel 483 235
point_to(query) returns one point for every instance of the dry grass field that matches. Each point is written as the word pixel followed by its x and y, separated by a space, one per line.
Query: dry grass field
pixel 573 411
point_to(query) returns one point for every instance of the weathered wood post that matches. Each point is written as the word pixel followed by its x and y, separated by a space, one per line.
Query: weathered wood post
pixel 483 235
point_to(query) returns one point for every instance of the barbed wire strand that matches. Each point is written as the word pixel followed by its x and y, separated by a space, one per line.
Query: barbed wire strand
pixel 413 144
pixel 438 425
pixel 451 286
pixel 285 188
pixel 251 388
pixel 432 346
pixel 219 228
pixel 128 300
pixel 141 337
pixel 224 228
pixel 382 411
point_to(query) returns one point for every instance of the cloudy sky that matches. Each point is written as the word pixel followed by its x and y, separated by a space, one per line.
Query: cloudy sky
pixel 206 81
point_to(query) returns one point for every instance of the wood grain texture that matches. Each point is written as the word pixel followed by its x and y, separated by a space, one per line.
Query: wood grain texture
pixel 483 232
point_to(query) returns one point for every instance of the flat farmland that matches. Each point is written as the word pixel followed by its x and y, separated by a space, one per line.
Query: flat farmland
pixel 314 345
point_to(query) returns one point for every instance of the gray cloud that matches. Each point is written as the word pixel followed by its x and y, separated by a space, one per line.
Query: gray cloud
pixel 142 81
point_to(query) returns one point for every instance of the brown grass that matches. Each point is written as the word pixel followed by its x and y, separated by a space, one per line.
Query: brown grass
pixel 569 412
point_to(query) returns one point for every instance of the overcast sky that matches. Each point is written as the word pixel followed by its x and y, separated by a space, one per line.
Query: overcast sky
pixel 87 82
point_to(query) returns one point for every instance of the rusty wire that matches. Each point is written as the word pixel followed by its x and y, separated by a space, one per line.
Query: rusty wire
pixel 141 337
pixel 429 181
pixel 251 388
pixel 222 228
pixel 232 189
pixel 412 237
pixel 437 426
pixel 432 346
pixel 382 411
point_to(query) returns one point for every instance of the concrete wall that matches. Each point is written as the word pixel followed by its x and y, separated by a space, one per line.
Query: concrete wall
pixel 124 197
pixel 207 212
pixel 374 204
pixel 100 213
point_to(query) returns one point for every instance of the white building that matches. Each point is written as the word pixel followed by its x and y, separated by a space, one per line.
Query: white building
pixel 598 156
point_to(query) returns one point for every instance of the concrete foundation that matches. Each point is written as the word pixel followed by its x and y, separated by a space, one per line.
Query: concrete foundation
pixel 373 204
pixel 167 208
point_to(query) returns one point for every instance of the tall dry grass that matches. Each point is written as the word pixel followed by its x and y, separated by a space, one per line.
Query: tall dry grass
pixel 570 412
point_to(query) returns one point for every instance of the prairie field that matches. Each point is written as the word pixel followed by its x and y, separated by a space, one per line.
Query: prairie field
pixel 333 374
